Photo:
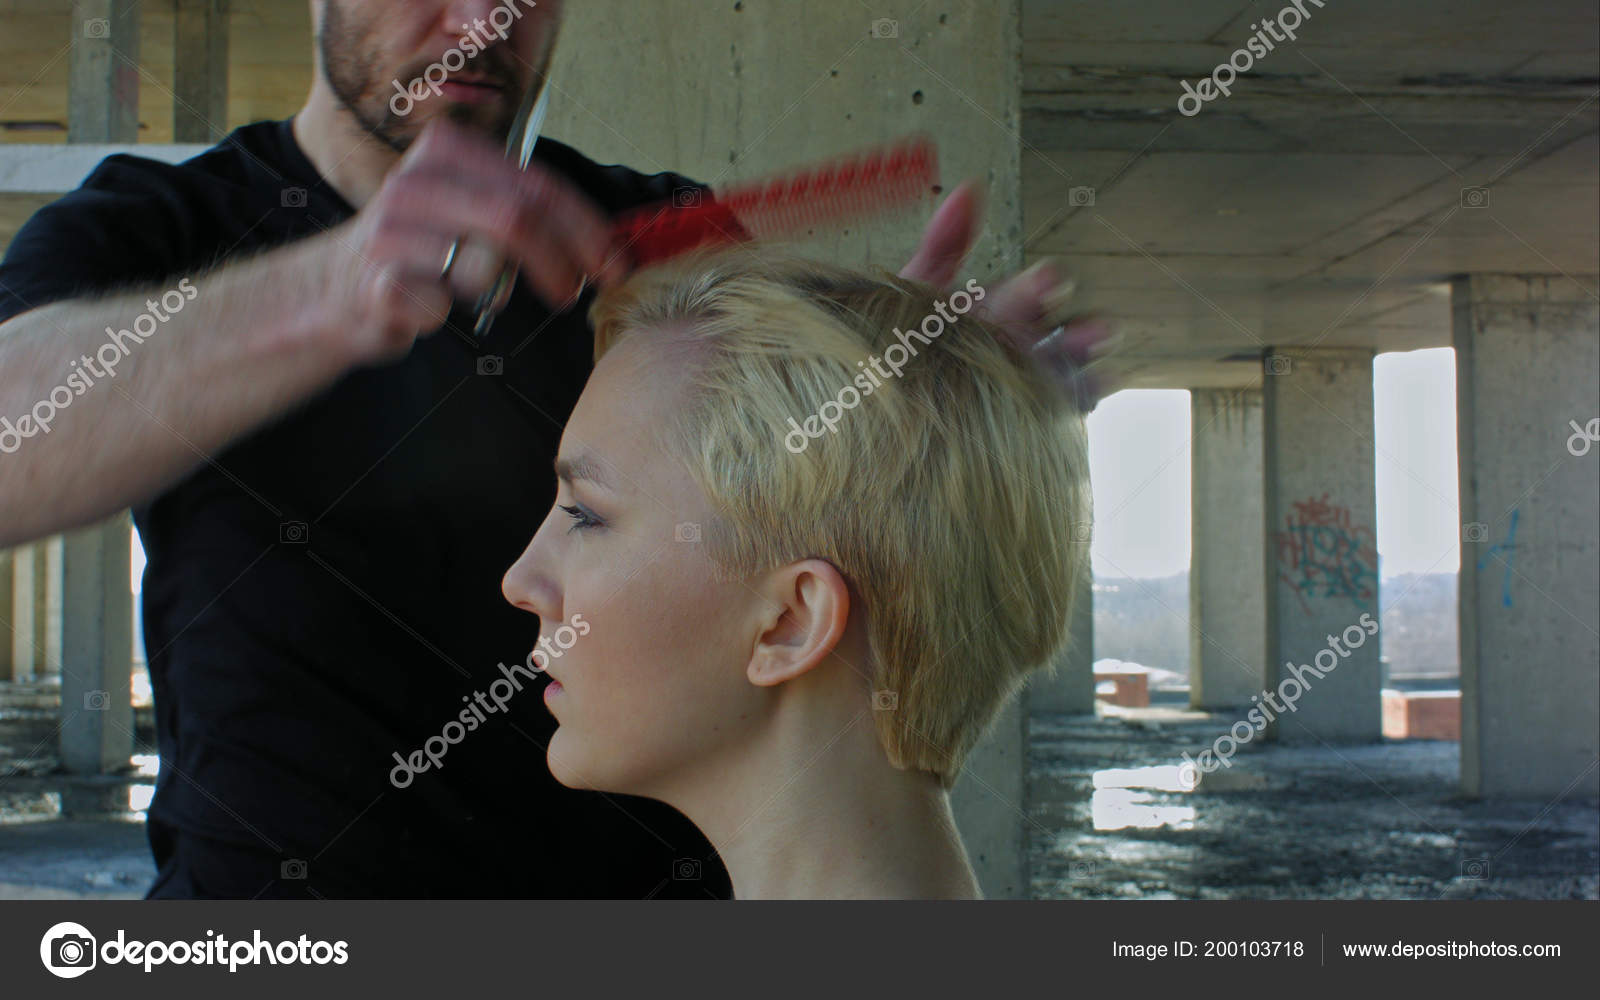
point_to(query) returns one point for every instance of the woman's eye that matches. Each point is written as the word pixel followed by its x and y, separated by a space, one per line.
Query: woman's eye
pixel 581 518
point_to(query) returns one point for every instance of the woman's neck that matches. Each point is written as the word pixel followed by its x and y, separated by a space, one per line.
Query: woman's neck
pixel 808 820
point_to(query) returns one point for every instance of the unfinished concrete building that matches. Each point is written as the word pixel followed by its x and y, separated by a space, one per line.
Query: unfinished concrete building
pixel 1386 179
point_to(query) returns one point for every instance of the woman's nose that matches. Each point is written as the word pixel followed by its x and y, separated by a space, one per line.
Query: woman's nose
pixel 530 583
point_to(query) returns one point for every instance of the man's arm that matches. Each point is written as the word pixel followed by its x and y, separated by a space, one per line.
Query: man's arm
pixel 260 335
pixel 236 354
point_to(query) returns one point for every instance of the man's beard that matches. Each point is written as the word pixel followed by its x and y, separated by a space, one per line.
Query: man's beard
pixel 351 73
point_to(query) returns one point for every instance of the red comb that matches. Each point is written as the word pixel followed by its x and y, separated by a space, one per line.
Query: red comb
pixel 850 187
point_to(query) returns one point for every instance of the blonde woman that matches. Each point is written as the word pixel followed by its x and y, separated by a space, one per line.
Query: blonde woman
pixel 797 637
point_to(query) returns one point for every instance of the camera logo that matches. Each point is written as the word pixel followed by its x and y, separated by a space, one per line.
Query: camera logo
pixel 67 950
pixel 686 870
pixel 1279 364
pixel 1475 197
pixel 97 27
pixel 884 27
pixel 294 197
pixel 294 533
pixel 1188 776
pixel 1080 196
pixel 1475 531
pixel 686 197
pixel 96 701
pixel 491 364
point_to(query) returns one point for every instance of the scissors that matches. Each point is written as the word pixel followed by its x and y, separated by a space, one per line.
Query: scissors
pixel 524 136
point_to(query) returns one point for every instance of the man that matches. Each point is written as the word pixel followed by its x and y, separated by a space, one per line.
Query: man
pixel 327 497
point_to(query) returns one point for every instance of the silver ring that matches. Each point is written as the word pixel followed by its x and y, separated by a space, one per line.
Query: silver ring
pixel 450 258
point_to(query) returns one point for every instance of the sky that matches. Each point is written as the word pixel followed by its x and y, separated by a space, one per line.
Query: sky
pixel 1139 462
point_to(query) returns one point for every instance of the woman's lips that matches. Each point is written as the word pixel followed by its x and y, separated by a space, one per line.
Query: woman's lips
pixel 552 689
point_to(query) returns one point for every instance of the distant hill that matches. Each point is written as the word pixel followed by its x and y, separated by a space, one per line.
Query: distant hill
pixel 1147 621
pixel 1420 621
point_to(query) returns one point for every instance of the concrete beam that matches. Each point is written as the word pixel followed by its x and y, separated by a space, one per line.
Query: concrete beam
pixel 28 168
pixel 1227 595
pixel 97 667
pixel 200 71
pixel 1527 353
pixel 1320 551
pixel 103 90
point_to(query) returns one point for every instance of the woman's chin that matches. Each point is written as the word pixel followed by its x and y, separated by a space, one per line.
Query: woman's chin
pixel 568 766
pixel 558 759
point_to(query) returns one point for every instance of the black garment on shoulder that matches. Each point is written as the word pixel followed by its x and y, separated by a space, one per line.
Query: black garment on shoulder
pixel 325 592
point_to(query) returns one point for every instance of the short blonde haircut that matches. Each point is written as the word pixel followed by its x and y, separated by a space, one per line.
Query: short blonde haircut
pixel 952 497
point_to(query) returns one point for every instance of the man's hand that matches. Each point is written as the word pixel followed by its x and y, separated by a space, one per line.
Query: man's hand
pixel 386 266
pixel 1031 307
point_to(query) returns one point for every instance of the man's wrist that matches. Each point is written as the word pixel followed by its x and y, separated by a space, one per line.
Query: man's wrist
pixel 316 315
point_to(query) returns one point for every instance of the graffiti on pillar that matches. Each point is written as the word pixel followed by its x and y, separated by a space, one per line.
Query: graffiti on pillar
pixel 1506 550
pixel 1323 552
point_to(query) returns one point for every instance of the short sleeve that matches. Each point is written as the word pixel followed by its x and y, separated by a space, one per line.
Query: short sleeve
pixel 118 230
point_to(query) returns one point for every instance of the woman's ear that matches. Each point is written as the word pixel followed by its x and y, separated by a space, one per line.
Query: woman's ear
pixel 807 609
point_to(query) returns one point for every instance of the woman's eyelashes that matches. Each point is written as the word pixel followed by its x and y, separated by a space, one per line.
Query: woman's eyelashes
pixel 582 517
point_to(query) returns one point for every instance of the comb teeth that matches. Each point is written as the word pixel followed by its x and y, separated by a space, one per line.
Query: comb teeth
pixel 854 186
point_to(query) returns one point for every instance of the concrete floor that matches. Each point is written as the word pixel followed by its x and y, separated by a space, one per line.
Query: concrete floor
pixel 1110 819
pixel 63 837
pixel 74 859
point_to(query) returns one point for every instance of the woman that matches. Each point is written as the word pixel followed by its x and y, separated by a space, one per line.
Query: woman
pixel 820 526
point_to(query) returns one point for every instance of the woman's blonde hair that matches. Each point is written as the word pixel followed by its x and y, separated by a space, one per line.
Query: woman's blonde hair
pixel 947 493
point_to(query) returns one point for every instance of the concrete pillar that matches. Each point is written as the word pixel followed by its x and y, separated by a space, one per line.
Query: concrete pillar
pixel 7 657
pixel 50 602
pixel 1069 687
pixel 96 600
pixel 24 653
pixel 103 88
pixel 1528 413
pixel 97 668
pixel 33 604
pixel 1321 552
pixel 200 71
pixel 784 83
pixel 1227 595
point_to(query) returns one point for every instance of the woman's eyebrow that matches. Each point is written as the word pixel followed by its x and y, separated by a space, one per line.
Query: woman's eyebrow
pixel 581 466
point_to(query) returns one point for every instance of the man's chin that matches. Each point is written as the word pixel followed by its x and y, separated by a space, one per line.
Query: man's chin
pixel 487 120
pixel 493 119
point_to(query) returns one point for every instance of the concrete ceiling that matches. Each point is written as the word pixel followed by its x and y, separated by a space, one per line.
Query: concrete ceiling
pixel 1320 203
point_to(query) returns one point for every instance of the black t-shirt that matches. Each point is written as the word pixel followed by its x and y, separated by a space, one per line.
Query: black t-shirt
pixel 325 593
